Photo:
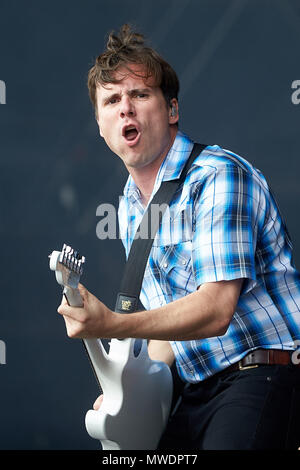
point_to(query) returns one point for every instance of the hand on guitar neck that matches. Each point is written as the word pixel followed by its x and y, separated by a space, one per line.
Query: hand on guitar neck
pixel 83 322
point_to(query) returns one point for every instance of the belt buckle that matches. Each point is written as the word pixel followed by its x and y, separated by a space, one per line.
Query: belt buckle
pixel 250 366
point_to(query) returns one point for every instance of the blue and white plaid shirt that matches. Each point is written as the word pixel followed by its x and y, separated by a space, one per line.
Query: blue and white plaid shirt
pixel 223 224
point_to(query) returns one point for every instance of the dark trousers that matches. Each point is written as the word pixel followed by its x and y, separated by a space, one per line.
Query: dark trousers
pixel 255 408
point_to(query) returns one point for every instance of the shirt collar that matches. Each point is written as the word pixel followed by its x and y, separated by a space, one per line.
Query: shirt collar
pixel 170 168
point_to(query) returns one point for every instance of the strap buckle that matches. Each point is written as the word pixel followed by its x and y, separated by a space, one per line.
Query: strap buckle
pixel 250 366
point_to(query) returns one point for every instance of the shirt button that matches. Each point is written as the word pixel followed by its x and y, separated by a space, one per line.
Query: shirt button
pixel 184 262
pixel 165 265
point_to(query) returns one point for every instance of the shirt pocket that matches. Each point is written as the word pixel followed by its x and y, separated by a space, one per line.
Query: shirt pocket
pixel 173 268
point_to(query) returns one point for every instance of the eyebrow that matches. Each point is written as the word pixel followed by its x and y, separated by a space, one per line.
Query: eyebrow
pixel 134 91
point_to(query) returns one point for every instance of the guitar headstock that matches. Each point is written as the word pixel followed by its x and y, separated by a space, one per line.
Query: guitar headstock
pixel 68 266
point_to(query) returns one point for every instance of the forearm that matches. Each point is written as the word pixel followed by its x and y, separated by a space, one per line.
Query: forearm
pixel 201 314
pixel 195 316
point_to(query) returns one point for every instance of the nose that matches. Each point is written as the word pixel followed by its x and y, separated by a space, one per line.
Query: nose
pixel 127 107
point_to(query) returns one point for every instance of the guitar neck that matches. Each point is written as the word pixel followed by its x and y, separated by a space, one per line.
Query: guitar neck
pixel 73 297
pixel 93 347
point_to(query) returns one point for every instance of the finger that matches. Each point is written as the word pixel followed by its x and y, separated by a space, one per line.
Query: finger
pixel 83 291
pixel 66 309
pixel 63 309
pixel 63 303
pixel 77 314
pixel 98 403
pixel 73 327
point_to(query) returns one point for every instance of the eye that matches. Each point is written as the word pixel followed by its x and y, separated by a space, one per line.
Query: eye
pixel 141 95
pixel 112 100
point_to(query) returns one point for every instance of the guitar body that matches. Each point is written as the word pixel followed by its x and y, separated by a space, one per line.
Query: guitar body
pixel 137 391
pixel 137 395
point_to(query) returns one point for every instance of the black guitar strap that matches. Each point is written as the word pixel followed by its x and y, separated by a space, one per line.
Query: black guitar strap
pixel 128 296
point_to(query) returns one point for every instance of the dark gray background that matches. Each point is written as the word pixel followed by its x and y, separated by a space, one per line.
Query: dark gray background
pixel 236 61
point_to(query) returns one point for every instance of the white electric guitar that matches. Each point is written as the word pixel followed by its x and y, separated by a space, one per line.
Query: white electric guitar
pixel 137 391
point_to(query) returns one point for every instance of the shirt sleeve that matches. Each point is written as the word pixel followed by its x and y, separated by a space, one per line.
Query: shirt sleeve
pixel 225 226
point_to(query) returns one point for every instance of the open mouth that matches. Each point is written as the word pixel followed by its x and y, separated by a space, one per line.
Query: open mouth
pixel 131 134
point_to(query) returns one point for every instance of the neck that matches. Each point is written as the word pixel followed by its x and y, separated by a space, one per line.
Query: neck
pixel 145 177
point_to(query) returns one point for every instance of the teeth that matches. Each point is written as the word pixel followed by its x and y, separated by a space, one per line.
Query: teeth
pixel 129 128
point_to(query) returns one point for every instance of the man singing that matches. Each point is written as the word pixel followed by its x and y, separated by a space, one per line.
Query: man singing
pixel 222 296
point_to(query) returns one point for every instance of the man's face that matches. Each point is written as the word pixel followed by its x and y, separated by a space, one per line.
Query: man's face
pixel 134 118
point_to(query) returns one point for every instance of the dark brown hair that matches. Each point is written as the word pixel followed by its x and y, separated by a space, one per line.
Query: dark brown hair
pixel 125 48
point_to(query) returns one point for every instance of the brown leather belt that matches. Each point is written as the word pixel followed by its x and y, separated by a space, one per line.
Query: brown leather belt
pixel 262 357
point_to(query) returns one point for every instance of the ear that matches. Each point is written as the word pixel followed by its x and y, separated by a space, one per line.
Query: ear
pixel 173 113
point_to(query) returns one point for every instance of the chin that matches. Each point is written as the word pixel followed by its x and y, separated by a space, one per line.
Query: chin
pixel 134 164
pixel 135 160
